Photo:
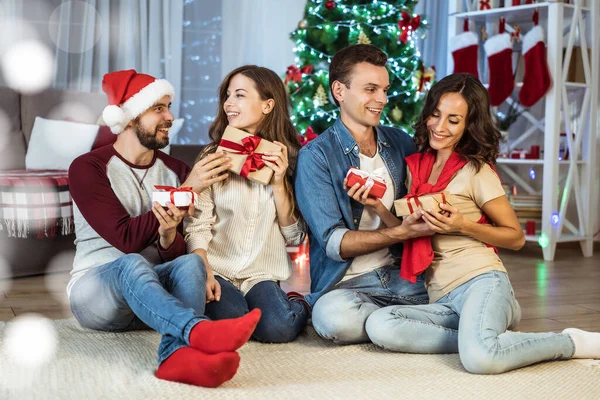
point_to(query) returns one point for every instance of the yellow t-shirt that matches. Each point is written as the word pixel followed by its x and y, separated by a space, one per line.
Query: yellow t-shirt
pixel 459 258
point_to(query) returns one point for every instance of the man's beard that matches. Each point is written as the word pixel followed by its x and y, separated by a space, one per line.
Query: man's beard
pixel 150 140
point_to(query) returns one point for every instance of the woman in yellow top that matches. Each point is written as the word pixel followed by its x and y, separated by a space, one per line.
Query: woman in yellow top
pixel 472 302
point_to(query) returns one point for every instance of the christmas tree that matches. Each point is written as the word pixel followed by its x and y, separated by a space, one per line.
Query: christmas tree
pixel 330 25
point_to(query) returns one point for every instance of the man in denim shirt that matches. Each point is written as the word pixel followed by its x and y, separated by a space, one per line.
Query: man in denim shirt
pixel 354 263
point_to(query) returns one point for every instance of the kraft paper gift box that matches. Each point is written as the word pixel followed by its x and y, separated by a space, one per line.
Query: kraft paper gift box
pixel 180 197
pixel 246 151
pixel 406 206
pixel 356 175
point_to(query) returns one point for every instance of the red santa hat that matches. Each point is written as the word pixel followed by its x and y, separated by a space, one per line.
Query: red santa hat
pixel 129 95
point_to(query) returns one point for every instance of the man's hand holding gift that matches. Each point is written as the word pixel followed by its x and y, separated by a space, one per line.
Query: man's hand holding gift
pixel 168 220
pixel 171 205
pixel 360 192
pixel 433 202
pixel 366 188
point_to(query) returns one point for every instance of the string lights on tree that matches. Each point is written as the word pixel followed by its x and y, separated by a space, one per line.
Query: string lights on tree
pixel 328 26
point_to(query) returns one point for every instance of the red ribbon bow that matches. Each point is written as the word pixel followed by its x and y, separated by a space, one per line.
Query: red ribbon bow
pixel 295 74
pixel 172 190
pixel 254 161
pixel 408 24
pixel 415 198
pixel 308 136
pixel 484 5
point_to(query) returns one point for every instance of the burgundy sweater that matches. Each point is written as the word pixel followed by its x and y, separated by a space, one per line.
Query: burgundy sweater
pixel 113 211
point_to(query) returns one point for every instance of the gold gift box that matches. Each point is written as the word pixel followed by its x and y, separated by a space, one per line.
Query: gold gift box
pixel 262 175
pixel 425 202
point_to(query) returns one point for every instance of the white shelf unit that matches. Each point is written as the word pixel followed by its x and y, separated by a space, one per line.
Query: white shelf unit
pixel 569 208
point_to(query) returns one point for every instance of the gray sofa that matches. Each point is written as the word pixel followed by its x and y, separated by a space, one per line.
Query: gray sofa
pixel 30 256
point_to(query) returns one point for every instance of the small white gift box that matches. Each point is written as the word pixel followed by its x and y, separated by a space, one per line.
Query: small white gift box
pixel 180 197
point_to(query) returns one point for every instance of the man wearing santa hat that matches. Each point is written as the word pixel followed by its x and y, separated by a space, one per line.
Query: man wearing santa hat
pixel 130 271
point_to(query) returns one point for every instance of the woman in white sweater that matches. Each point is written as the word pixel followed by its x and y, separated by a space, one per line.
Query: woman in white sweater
pixel 241 228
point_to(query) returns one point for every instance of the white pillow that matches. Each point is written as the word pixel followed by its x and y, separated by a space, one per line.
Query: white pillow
pixel 55 144
pixel 173 132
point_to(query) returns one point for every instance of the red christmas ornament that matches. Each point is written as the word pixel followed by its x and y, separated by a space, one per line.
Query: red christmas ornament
pixel 308 136
pixel 407 25
pixel 295 74
pixel 330 5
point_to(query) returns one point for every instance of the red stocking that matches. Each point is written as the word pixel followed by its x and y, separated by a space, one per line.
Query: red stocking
pixel 536 81
pixel 498 49
pixel 464 52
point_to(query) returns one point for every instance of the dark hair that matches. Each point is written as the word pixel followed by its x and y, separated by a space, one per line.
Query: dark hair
pixel 344 61
pixel 481 138
pixel 276 126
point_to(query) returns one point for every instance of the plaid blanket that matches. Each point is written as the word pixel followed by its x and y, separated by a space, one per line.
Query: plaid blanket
pixel 35 204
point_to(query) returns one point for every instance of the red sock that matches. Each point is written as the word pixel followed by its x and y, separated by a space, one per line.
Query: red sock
pixel 225 335
pixel 191 366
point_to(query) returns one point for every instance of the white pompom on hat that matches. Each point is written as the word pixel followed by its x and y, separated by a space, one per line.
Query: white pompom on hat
pixel 129 95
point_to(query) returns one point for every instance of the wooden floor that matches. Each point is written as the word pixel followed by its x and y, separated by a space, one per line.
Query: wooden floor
pixel 553 295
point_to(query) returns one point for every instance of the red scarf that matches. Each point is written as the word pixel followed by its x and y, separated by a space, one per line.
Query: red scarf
pixel 418 253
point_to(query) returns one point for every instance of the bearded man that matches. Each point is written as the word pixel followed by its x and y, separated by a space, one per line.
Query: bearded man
pixel 130 271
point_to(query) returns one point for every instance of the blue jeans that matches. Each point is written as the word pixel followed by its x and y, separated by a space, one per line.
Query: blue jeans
pixel 281 321
pixel 130 293
pixel 471 320
pixel 340 315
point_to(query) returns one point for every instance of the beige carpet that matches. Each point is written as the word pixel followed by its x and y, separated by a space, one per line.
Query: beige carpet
pixel 98 365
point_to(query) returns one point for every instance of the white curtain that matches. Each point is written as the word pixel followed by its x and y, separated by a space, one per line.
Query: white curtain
pixel 434 47
pixel 107 35
pixel 257 32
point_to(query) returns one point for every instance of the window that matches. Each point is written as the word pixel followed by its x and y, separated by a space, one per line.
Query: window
pixel 201 75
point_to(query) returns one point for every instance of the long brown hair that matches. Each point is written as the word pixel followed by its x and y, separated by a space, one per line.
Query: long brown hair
pixel 276 125
pixel 481 138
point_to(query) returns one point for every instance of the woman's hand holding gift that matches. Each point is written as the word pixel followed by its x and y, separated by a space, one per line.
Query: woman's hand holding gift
pixel 207 171
pixel 450 220
pixel 278 162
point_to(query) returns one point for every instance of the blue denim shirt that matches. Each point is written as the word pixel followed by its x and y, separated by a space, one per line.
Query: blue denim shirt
pixel 326 206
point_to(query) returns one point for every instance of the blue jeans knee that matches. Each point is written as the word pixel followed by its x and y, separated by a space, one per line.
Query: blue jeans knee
pixel 340 315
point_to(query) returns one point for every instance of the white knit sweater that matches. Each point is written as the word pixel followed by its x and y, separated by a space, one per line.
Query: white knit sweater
pixel 236 223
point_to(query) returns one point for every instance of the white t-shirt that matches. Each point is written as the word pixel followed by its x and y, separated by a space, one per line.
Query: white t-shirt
pixel 370 221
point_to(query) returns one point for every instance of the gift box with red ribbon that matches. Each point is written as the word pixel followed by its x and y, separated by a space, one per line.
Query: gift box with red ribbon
pixel 246 151
pixel 374 178
pixel 409 204
pixel 518 154
pixel 180 197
